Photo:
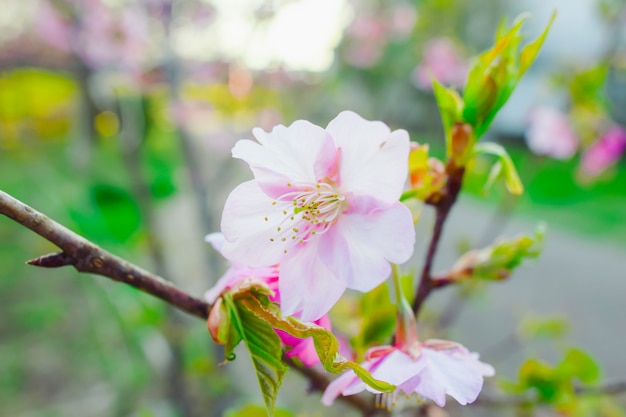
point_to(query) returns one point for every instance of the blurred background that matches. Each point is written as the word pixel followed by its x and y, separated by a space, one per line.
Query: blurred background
pixel 117 118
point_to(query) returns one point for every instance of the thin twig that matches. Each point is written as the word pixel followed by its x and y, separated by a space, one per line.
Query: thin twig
pixel 442 209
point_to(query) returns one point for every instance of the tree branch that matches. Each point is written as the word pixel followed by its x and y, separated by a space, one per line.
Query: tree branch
pixel 87 257
pixel 442 205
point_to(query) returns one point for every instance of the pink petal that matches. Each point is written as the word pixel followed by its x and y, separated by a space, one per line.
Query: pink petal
pixel 365 243
pixel 374 159
pixel 216 240
pixel 335 388
pixel 246 231
pixel 305 351
pixel 448 372
pixel 306 282
pixel 398 367
pixel 300 153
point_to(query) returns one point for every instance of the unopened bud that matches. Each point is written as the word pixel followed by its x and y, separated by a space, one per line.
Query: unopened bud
pixel 460 140
pixel 218 322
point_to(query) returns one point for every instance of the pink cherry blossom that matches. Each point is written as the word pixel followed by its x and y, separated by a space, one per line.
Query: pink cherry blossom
pixel 324 205
pixel 431 370
pixel 442 61
pixel 303 349
pixel 604 152
pixel 551 133
pixel 52 28
pixel 111 38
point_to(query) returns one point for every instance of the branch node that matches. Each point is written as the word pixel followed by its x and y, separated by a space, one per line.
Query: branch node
pixel 52 260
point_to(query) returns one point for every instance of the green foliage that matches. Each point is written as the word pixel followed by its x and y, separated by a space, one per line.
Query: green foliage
pixel 497 262
pixel 251 410
pixel 450 107
pixel 262 343
pixel 543 327
pixel 555 384
pixel 118 209
pixel 326 345
pixel 378 320
pixel 254 319
pixel 495 74
pixel 503 168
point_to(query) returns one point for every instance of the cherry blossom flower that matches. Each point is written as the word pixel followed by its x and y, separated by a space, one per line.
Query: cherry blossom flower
pixel 604 152
pixel 431 370
pixel 551 133
pixel 303 349
pixel 324 205
pixel 442 61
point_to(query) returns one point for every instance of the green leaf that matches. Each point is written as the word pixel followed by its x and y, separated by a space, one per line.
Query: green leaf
pixel 450 105
pixel 540 376
pixel 495 73
pixel 511 177
pixel 326 345
pixel 530 51
pixel 264 347
pixel 580 365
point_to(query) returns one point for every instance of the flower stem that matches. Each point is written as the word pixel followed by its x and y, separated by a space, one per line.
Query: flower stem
pixel 442 210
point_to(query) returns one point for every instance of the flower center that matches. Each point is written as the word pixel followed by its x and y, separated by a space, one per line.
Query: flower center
pixel 313 211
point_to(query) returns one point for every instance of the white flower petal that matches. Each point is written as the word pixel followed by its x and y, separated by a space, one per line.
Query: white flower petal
pixel 374 160
pixel 246 231
pixel 337 386
pixel 300 153
pixel 371 241
pixel 448 372
pixel 216 240
pixel 306 283
pixel 398 367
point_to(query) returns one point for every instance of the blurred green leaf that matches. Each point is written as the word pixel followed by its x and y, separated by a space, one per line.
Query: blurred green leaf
pixel 580 365
pixel 504 167
pixel 251 410
pixel 537 375
pixel 379 319
pixel 540 327
pixel 118 209
pixel 497 262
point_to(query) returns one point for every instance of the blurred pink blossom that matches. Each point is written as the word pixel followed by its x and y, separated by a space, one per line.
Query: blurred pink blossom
pixel 368 39
pixel 443 61
pixel 402 20
pixel 113 38
pixel 550 133
pixel 604 152
pixel 52 28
